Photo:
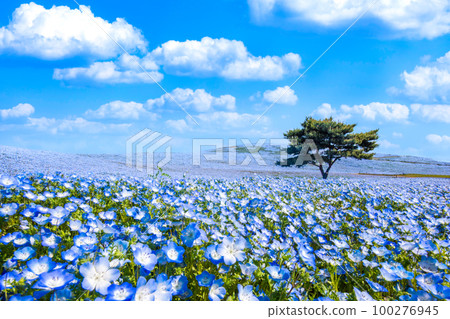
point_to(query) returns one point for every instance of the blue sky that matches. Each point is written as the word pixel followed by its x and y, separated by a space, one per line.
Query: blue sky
pixel 66 86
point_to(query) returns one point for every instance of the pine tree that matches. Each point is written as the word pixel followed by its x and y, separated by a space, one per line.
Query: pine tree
pixel 334 140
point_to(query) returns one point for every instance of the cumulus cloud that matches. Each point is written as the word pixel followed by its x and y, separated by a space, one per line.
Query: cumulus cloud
pixel 225 58
pixel 198 100
pixel 20 110
pixel 414 18
pixel 387 145
pixel 78 124
pixel 109 72
pixel 375 110
pixel 229 120
pixel 61 32
pixel 179 125
pixel 121 110
pixel 438 139
pixel 281 95
pixel 435 112
pixel 430 81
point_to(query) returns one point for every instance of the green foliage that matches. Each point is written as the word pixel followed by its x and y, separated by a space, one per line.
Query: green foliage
pixel 334 140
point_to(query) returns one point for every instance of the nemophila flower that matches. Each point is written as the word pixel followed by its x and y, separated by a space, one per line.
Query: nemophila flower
pixel 246 293
pixel 232 250
pixel 248 269
pixel 277 273
pixel 8 209
pixel 217 291
pixel 8 279
pixel 6 239
pixel 20 298
pixel 41 265
pixel 205 279
pixel 381 251
pixel 75 224
pixel 429 264
pixel 173 252
pixel 179 285
pixel 356 256
pixel 123 292
pixel 407 245
pixel 362 295
pixel 429 282
pixel 190 234
pixel 71 254
pixel 8 181
pixel 62 295
pixel 98 275
pixel 50 240
pixel 24 253
pixel 307 255
pixel 376 286
pixel 143 256
pixel 54 280
pixel 421 296
pixel 154 290
pixel 212 255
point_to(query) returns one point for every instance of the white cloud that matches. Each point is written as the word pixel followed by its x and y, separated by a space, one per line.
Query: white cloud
pixel 224 58
pixel 20 110
pixel 387 111
pixel 230 120
pixel 281 95
pixel 387 145
pixel 375 110
pixel 429 82
pixel 397 134
pixel 438 139
pixel 73 125
pixel 198 100
pixel 121 110
pixel 107 72
pixel 434 112
pixel 179 125
pixel 60 32
pixel 412 18
pixel 326 110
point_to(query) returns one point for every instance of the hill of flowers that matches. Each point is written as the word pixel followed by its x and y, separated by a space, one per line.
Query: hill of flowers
pixel 93 238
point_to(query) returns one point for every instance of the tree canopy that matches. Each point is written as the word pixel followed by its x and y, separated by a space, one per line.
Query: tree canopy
pixel 333 140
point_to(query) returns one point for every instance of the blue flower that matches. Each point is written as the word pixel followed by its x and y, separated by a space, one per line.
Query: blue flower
pixel 71 254
pixel 143 256
pixel 307 255
pixel 376 286
pixel 8 209
pixel 174 253
pixel 8 279
pixel 54 280
pixel 278 274
pixel 123 292
pixel 24 253
pixel 41 265
pixel 248 269
pixel 232 250
pixel 246 293
pixel 190 234
pixel 362 295
pixel 429 282
pixel 98 275
pixel 21 298
pixel 50 240
pixel 212 254
pixel 205 279
pixel 356 256
pixel 179 285
pixel 217 291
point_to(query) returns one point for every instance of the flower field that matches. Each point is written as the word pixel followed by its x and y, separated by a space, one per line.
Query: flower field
pixel 74 238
